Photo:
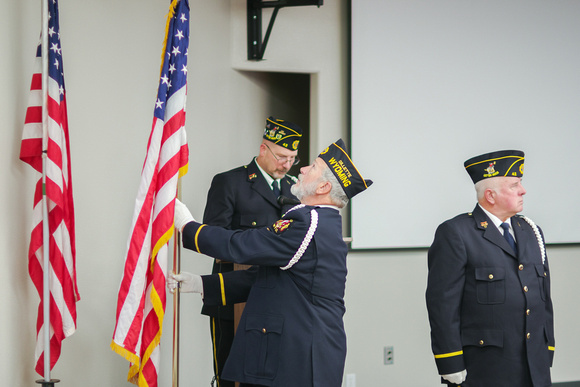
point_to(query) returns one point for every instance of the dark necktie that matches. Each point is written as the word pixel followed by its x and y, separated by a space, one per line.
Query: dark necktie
pixel 275 188
pixel 508 237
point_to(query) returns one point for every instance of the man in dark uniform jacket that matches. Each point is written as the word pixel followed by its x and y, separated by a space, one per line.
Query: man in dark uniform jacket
pixel 244 198
pixel 291 333
pixel 488 291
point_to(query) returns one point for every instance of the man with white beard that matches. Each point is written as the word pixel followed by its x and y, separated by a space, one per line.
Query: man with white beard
pixel 291 332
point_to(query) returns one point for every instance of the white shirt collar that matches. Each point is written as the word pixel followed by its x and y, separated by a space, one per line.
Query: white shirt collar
pixel 269 179
pixel 497 222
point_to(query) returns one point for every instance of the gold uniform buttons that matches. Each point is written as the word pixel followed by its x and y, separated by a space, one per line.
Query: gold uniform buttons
pixel 525 289
pixel 480 342
pixel 527 312
pixel 253 223
pixel 521 267
pixel 263 330
pixel 491 276
pixel 528 335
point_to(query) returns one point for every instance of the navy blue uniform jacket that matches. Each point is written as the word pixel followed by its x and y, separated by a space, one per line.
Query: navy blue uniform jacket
pixel 241 199
pixel 490 310
pixel 291 332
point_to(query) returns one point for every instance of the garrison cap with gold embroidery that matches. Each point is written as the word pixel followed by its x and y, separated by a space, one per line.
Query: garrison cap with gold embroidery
pixel 339 162
pixel 283 133
pixel 499 163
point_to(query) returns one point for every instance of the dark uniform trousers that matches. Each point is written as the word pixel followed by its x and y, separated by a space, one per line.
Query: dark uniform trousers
pixel 238 199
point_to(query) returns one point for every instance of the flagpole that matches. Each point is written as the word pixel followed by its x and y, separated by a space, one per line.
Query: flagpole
pixel 47 381
pixel 176 298
pixel 45 228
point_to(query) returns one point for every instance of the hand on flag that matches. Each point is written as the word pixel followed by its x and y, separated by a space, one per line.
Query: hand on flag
pixel 182 215
pixel 185 282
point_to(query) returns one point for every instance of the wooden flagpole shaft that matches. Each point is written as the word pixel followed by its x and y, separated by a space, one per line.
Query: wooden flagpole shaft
pixel 176 298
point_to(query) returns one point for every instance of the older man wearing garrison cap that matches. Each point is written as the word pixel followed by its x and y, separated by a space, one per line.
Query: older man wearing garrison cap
pixel 488 290
pixel 248 197
pixel 291 332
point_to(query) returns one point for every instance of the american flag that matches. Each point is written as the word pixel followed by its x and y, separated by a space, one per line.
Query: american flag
pixel 62 276
pixel 141 299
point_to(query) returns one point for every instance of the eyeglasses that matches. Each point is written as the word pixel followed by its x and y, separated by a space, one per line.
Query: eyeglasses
pixel 291 159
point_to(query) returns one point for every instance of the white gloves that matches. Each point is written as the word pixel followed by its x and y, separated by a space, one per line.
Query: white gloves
pixel 185 282
pixel 182 215
pixel 456 378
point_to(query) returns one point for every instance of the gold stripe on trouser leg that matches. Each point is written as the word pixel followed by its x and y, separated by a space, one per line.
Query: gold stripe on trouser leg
pixel 215 362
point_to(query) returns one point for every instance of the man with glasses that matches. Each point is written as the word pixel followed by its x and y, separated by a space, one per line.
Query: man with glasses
pixel 244 198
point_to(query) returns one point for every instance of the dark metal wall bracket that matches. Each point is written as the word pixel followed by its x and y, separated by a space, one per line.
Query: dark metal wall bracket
pixel 257 46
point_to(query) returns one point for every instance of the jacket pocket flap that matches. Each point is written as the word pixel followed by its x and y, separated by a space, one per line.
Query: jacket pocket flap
pixel 541 271
pixel 489 273
pixel 264 323
pixel 482 338
pixel 253 220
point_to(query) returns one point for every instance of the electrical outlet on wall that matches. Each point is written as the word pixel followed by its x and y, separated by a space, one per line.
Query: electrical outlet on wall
pixel 389 355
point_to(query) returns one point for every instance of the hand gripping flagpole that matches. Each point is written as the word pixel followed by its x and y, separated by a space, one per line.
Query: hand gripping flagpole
pixel 47 381
pixel 176 298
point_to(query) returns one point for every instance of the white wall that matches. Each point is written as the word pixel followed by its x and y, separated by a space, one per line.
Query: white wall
pixel 111 57
pixel 442 64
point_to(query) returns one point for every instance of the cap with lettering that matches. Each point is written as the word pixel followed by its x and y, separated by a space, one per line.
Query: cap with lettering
pixel 339 162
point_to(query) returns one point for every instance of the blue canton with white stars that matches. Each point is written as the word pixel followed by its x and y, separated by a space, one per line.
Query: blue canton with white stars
pixel 174 71
pixel 55 67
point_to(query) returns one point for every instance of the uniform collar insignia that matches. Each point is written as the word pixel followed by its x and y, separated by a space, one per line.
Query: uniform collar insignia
pixel 484 224
pixel 252 176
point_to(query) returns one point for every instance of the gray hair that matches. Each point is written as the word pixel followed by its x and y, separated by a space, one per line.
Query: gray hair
pixel 482 185
pixel 337 194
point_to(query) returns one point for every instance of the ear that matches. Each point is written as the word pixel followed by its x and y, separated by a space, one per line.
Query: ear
pixel 489 196
pixel 324 188
pixel 262 149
